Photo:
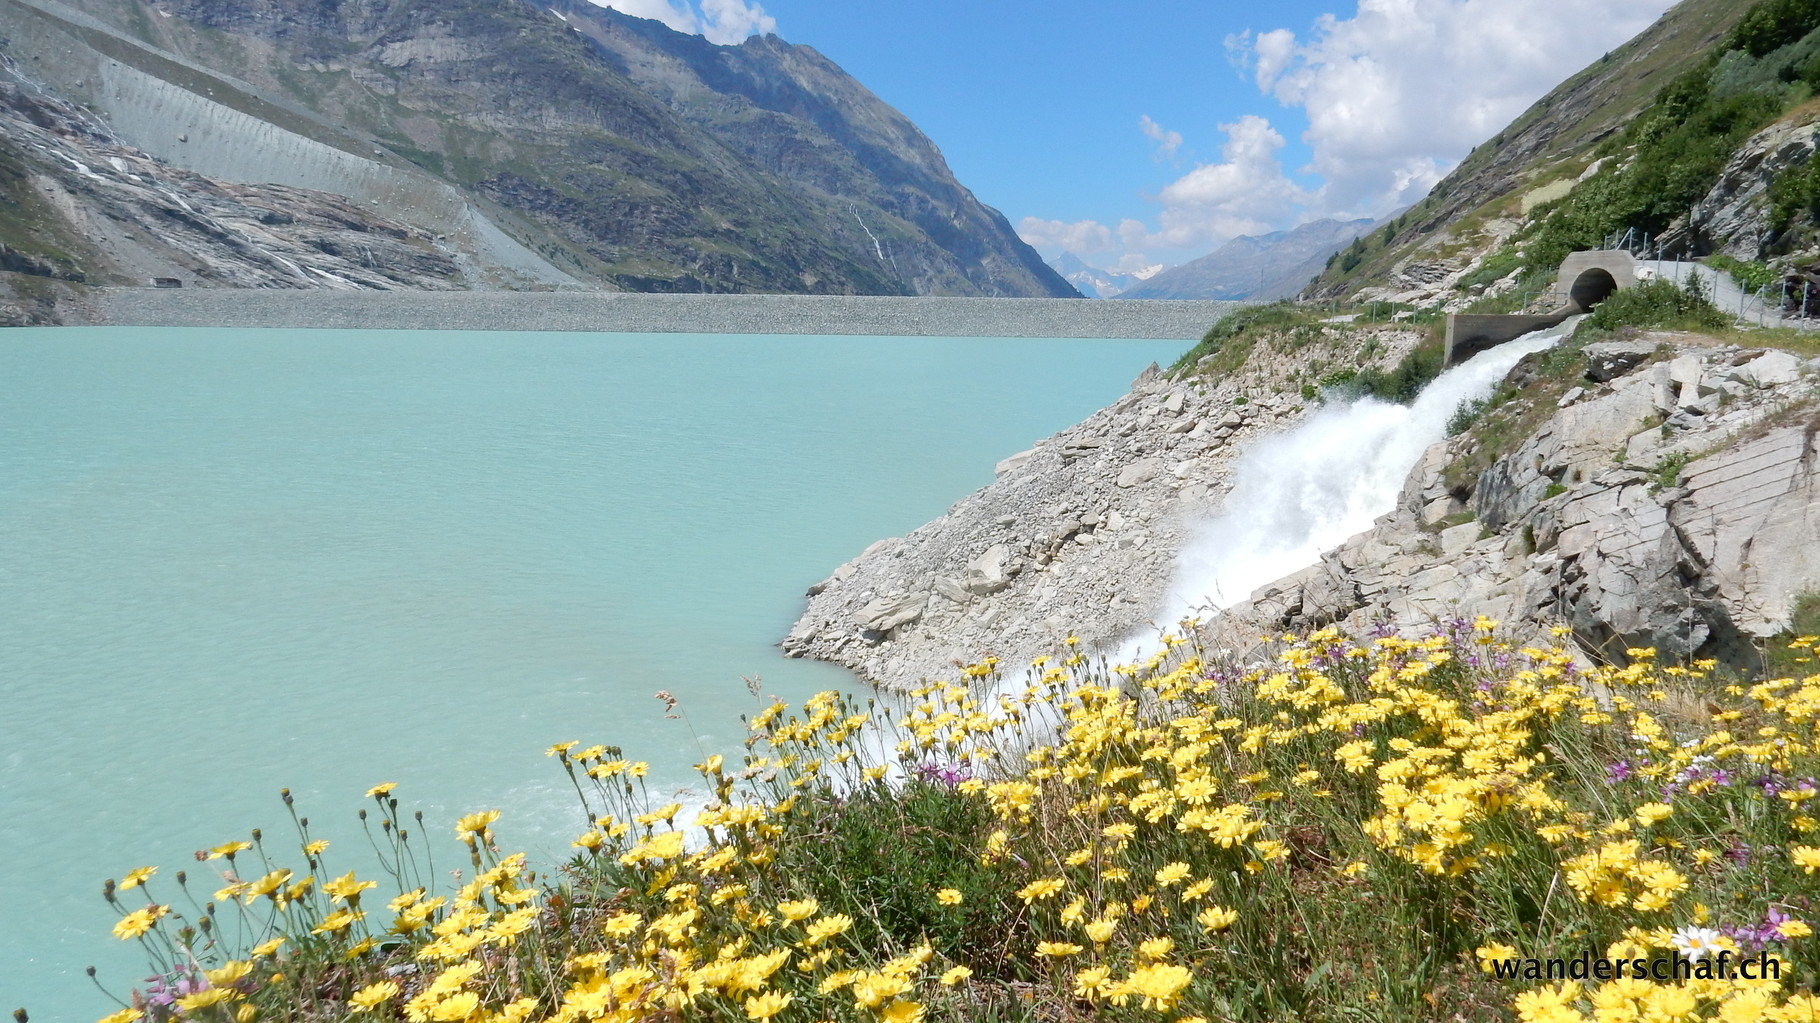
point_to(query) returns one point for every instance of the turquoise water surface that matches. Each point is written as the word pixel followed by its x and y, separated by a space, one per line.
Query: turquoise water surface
pixel 238 560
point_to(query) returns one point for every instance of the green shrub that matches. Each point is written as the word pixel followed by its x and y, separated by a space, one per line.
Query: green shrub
pixel 1753 275
pixel 1402 383
pixel 1773 24
pixel 1231 338
pixel 1794 191
pixel 1785 655
pixel 1467 414
pixel 1667 473
pixel 1657 303
pixel 877 856
pixel 1339 378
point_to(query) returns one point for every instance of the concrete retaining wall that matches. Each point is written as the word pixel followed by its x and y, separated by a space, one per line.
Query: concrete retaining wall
pixel 625 312
pixel 1467 336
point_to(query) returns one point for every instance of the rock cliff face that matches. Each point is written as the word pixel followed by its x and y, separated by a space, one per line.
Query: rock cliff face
pixel 1077 535
pixel 618 152
pixel 1671 500
pixel 1734 216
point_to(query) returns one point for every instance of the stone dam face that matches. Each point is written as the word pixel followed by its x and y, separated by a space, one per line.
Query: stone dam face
pixel 646 313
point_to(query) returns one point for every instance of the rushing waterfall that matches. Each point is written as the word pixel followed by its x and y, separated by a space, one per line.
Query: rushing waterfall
pixel 1306 491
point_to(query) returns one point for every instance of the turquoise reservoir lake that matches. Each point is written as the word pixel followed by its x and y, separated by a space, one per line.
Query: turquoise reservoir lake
pixel 238 560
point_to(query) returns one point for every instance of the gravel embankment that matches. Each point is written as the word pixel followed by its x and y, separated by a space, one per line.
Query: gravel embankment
pixel 624 312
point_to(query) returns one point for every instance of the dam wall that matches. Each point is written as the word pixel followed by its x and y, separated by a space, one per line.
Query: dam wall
pixel 641 313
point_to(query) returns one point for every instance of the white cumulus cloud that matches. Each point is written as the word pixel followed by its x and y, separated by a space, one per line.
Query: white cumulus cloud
pixel 1399 92
pixel 719 21
pixel 1271 53
pixel 1244 193
pixel 1394 96
pixel 1166 141
pixel 1080 237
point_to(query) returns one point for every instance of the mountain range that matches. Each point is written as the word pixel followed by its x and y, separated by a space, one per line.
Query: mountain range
pixel 554 144
pixel 1095 282
pixel 1267 266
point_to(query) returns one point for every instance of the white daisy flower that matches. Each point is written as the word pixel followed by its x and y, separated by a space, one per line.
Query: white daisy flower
pixel 1696 943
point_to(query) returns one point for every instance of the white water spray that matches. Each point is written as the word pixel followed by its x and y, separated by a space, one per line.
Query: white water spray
pixel 1300 493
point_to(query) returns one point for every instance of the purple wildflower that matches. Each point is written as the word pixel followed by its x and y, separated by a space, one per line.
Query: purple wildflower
pixel 950 774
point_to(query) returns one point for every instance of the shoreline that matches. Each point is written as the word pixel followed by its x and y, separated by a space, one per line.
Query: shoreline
pixel 625 312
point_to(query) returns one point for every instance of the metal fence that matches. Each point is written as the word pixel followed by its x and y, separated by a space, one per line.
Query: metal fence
pixel 1768 305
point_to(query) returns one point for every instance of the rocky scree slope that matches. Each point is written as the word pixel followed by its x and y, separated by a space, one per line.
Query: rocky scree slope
pixel 86 207
pixel 1078 534
pixel 630 155
pixel 1668 498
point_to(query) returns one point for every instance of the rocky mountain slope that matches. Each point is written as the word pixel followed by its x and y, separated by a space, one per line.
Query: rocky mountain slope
pixel 1267 267
pixel 568 143
pixel 118 212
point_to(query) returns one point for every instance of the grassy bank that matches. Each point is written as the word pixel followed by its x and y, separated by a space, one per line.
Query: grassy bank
pixel 1352 828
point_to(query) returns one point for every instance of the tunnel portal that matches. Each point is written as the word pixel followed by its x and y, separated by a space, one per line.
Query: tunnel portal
pixel 1591 287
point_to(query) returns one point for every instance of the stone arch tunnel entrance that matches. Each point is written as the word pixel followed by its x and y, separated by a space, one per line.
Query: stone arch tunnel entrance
pixel 1591 287
pixel 1589 277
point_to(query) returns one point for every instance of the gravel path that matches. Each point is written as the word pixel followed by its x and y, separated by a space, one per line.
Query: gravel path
pixel 690 314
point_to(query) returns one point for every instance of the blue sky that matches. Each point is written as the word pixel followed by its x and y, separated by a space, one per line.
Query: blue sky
pixel 1137 134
